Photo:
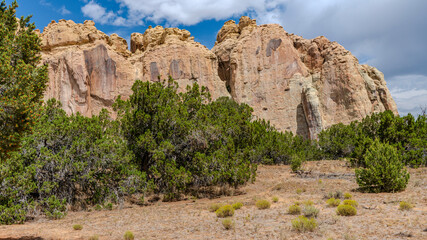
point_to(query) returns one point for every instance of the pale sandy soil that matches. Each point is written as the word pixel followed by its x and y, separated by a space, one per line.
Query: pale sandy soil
pixel 378 216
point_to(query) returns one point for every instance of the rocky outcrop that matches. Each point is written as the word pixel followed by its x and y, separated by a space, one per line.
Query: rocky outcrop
pixel 88 69
pixel 299 85
pixel 163 52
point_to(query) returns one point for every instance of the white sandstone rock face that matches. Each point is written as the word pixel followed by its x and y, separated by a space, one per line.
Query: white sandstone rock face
pixel 299 85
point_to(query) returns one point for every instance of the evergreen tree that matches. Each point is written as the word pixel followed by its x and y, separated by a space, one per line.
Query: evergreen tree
pixel 384 171
pixel 22 81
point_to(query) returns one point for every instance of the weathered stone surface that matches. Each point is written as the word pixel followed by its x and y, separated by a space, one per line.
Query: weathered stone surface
pixel 88 70
pixel 348 91
pixel 297 84
pixel 162 52
pixel 65 33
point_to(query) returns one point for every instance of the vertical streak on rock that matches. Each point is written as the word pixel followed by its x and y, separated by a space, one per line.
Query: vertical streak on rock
pixel 154 70
pixel 312 111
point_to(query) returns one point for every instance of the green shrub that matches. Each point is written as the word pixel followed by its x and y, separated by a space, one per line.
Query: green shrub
pixel 310 211
pixel 109 206
pixel 338 141
pixel 406 134
pixel 275 199
pixel 405 206
pixel 69 160
pixel 184 140
pixel 347 195
pixel 228 223
pixel 215 206
pixel 296 162
pixel 237 205
pixel 263 204
pixel 55 208
pixel 332 202
pixel 98 207
pixel 77 227
pixel 346 210
pixel 128 235
pixel 225 211
pixel 384 171
pixel 350 202
pixel 294 209
pixel 10 214
pixel 303 224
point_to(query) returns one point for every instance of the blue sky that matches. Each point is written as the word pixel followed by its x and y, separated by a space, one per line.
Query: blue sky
pixel 388 34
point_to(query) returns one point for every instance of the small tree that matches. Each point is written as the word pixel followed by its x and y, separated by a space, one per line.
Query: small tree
pixel 384 171
pixel 22 81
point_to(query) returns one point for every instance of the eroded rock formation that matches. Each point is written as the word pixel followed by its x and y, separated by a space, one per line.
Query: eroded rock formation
pixel 299 85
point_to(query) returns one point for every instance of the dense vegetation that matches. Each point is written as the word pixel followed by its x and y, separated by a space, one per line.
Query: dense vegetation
pixel 162 142
pixel 71 160
pixel 405 134
pixel 184 140
pixel 22 81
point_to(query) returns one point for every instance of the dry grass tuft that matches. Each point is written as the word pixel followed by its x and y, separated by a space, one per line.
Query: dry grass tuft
pixel 263 204
pixel 346 210
pixel 405 206
pixel 228 223
pixel 350 202
pixel 94 237
pixel 275 199
pixel 225 211
pixel 128 235
pixel 310 211
pixel 303 224
pixel 214 207
pixel 294 209
pixel 77 227
pixel 332 202
pixel 347 195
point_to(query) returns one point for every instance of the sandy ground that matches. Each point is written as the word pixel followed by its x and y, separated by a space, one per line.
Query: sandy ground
pixel 378 216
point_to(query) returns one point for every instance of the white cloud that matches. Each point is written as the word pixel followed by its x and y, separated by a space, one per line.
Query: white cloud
pixel 190 12
pixel 410 93
pixel 100 14
pixel 410 101
pixel 64 11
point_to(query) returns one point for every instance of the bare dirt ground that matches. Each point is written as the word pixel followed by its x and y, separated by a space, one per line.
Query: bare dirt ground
pixel 378 216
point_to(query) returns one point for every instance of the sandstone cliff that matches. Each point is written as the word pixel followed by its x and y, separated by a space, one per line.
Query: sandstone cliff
pixel 299 85
pixel 88 69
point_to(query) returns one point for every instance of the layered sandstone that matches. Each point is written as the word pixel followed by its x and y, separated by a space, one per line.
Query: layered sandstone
pixel 298 85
